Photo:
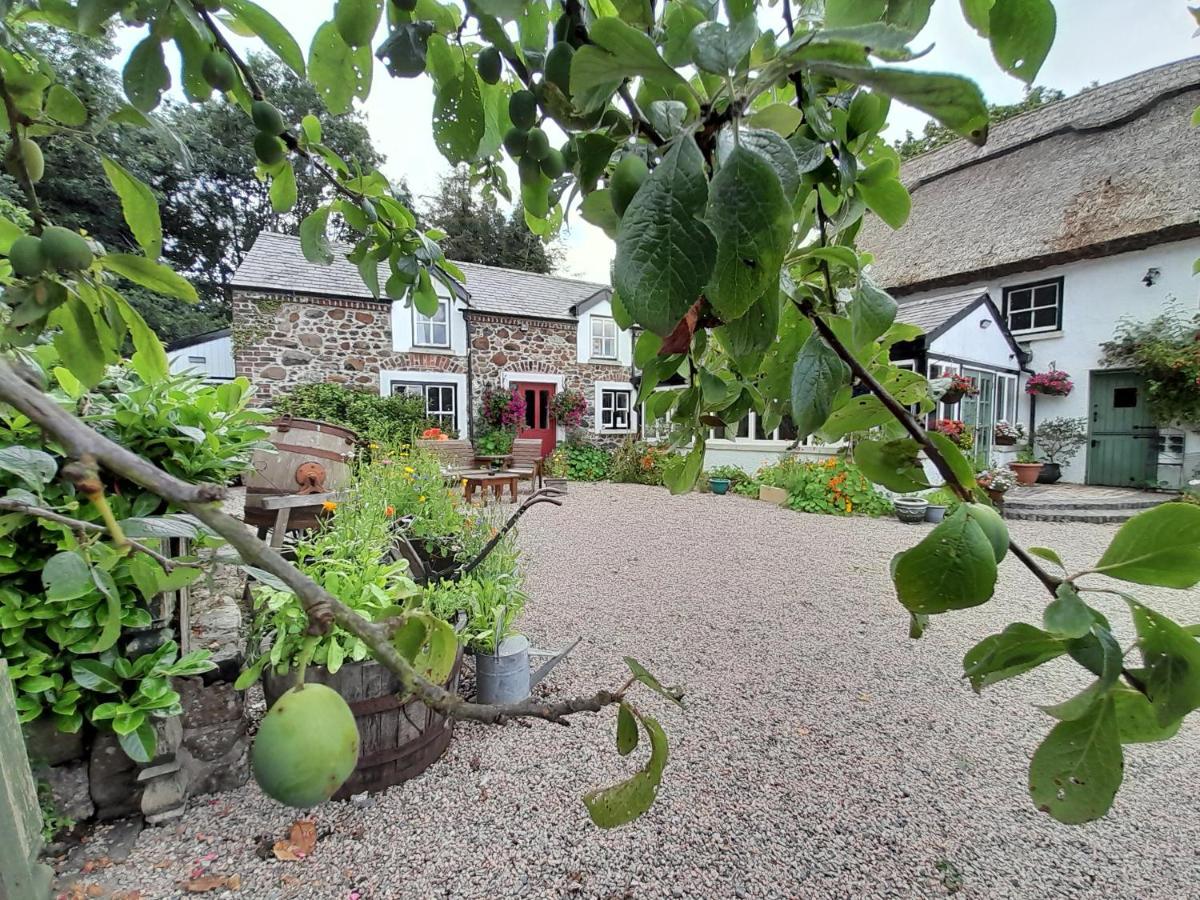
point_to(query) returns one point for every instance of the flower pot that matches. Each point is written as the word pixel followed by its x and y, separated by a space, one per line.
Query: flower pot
pixel 1027 473
pixel 558 482
pixel 718 485
pixel 1050 473
pixel 910 510
pixel 935 512
pixel 951 397
pixel 997 497
pixel 1005 441
pixel 776 495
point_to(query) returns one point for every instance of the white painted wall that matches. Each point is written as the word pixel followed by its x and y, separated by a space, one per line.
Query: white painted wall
pixel 750 456
pixel 402 327
pixel 976 338
pixel 212 360
pixel 583 336
pixel 1096 294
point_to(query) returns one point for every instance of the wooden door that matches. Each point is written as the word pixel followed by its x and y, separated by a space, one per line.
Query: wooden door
pixel 1123 445
pixel 539 421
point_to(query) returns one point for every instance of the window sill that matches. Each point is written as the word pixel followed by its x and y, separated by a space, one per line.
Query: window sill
pixel 1020 337
pixel 616 431
pixel 604 361
pixel 419 348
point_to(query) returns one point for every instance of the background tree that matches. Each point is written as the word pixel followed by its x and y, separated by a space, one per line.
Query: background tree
pixel 936 135
pixel 478 232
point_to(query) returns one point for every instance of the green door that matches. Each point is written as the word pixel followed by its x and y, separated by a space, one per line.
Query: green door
pixel 1123 450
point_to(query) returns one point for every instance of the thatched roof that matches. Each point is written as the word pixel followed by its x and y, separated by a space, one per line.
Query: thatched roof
pixel 275 263
pixel 1108 170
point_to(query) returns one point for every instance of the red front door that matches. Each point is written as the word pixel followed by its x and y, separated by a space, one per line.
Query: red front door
pixel 539 421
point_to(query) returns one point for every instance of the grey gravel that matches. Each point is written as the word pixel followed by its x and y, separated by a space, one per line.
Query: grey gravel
pixel 823 753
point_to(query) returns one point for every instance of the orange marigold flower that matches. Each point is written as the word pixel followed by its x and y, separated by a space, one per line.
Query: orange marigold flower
pixel 329 506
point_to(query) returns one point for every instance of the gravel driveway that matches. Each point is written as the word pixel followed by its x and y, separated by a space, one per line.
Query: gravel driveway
pixel 822 754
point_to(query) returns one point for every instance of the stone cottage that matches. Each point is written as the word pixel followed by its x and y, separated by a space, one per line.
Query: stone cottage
pixel 296 322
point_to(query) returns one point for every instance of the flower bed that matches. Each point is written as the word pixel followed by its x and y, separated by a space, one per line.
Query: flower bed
pixel 834 486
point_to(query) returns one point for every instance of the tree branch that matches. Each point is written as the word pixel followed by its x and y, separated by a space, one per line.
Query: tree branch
pixel 92 528
pixel 322 608
pixel 15 116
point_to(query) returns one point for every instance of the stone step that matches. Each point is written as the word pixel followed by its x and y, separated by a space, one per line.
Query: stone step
pixel 1133 503
pixel 1097 515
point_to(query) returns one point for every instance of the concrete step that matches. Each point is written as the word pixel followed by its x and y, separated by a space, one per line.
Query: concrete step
pixel 1097 515
pixel 1032 504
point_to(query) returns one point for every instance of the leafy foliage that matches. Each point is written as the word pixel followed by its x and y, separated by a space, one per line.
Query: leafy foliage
pixel 393 421
pixel 935 135
pixel 1166 351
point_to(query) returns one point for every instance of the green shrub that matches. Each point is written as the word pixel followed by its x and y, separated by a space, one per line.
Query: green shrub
pixel 588 463
pixel 395 421
pixel 834 486
pixel 495 442
pixel 735 474
pixel 637 462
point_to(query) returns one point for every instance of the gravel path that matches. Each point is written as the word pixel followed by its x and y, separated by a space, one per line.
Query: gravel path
pixel 823 753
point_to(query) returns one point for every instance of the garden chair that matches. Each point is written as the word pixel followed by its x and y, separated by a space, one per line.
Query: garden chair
pixel 527 461
pixel 455 455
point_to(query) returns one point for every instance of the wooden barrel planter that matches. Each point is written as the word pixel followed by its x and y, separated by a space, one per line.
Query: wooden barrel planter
pixel 397 740
pixel 311 458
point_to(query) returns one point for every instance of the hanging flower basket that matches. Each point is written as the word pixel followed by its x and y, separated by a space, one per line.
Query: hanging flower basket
pixel 960 387
pixel 1051 383
pixel 1008 435
pixel 568 408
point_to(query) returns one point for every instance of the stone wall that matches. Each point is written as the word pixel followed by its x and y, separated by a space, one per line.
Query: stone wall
pixel 282 341
pixel 279 342
pixel 515 345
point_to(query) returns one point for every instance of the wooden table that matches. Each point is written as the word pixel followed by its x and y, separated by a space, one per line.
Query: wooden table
pixel 496 480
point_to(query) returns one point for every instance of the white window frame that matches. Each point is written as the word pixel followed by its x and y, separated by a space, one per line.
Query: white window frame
pixel 613 389
pixel 424 390
pixel 1032 287
pixel 389 379
pixel 421 321
pixel 606 322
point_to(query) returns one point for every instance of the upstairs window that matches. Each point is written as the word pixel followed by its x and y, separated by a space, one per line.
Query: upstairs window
pixel 432 331
pixel 1033 308
pixel 604 338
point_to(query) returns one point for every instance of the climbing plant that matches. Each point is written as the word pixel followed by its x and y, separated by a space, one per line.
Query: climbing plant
pixel 732 152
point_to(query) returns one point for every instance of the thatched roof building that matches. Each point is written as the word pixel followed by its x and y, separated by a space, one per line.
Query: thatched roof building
pixel 1112 169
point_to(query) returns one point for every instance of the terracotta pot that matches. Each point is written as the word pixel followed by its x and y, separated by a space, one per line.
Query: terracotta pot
pixel 1027 473
pixel 995 496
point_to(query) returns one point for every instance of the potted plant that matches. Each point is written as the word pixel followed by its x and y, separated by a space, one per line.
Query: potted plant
pixel 960 433
pixel 1051 383
pixel 939 501
pixel 996 481
pixel 554 470
pixel 960 386
pixel 495 442
pixel 1007 434
pixel 721 478
pixel 1026 467
pixel 1059 440
pixel 910 510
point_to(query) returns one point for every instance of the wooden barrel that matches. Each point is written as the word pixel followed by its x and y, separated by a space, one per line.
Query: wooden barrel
pixel 397 741
pixel 310 457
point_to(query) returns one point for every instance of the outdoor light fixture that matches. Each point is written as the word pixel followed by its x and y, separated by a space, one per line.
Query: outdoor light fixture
pixel 985 323
pixel 1150 277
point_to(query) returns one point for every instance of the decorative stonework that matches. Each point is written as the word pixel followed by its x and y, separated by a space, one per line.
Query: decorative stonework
pixel 288 340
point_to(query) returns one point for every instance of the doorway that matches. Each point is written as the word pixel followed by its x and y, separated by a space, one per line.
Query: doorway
pixel 539 420
pixel 1123 445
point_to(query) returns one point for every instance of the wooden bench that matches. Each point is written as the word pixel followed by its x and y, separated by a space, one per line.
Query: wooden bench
pixel 454 454
pixel 527 461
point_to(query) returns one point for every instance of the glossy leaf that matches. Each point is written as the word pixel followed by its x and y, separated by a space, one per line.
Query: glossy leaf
pixel 1021 33
pixel 1067 615
pixel 1171 660
pixel 458 117
pixel 34 467
pixel 665 253
pixel 954 567
pixel 817 375
pixel 627 730
pixel 1159 546
pixel 93 675
pixel 140 745
pixel 314 242
pixel 271 31
pixel 1137 720
pixel 894 464
pixel 752 222
pixel 66 575
pixel 149 274
pixel 964 472
pixel 872 312
pixel 624 802
pixel 642 674
pixel 145 76
pixel 139 206
pixel 1016 650
pixel 1076 771
pixel 338 72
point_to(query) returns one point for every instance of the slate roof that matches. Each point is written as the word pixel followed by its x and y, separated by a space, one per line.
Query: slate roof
pixel 1110 169
pixel 276 263
pixel 933 313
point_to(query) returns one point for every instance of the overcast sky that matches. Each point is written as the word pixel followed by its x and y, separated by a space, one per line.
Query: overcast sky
pixel 1098 41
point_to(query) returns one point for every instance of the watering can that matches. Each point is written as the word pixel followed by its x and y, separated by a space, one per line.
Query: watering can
pixel 505 676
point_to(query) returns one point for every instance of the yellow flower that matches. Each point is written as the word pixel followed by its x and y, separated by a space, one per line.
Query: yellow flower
pixel 464 482
pixel 409 469
pixel 421 499
pixel 329 506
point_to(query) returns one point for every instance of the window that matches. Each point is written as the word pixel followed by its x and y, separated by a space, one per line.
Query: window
pixel 432 331
pixel 198 360
pixel 1031 308
pixel 1006 398
pixel 604 338
pixel 441 401
pixel 614 409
